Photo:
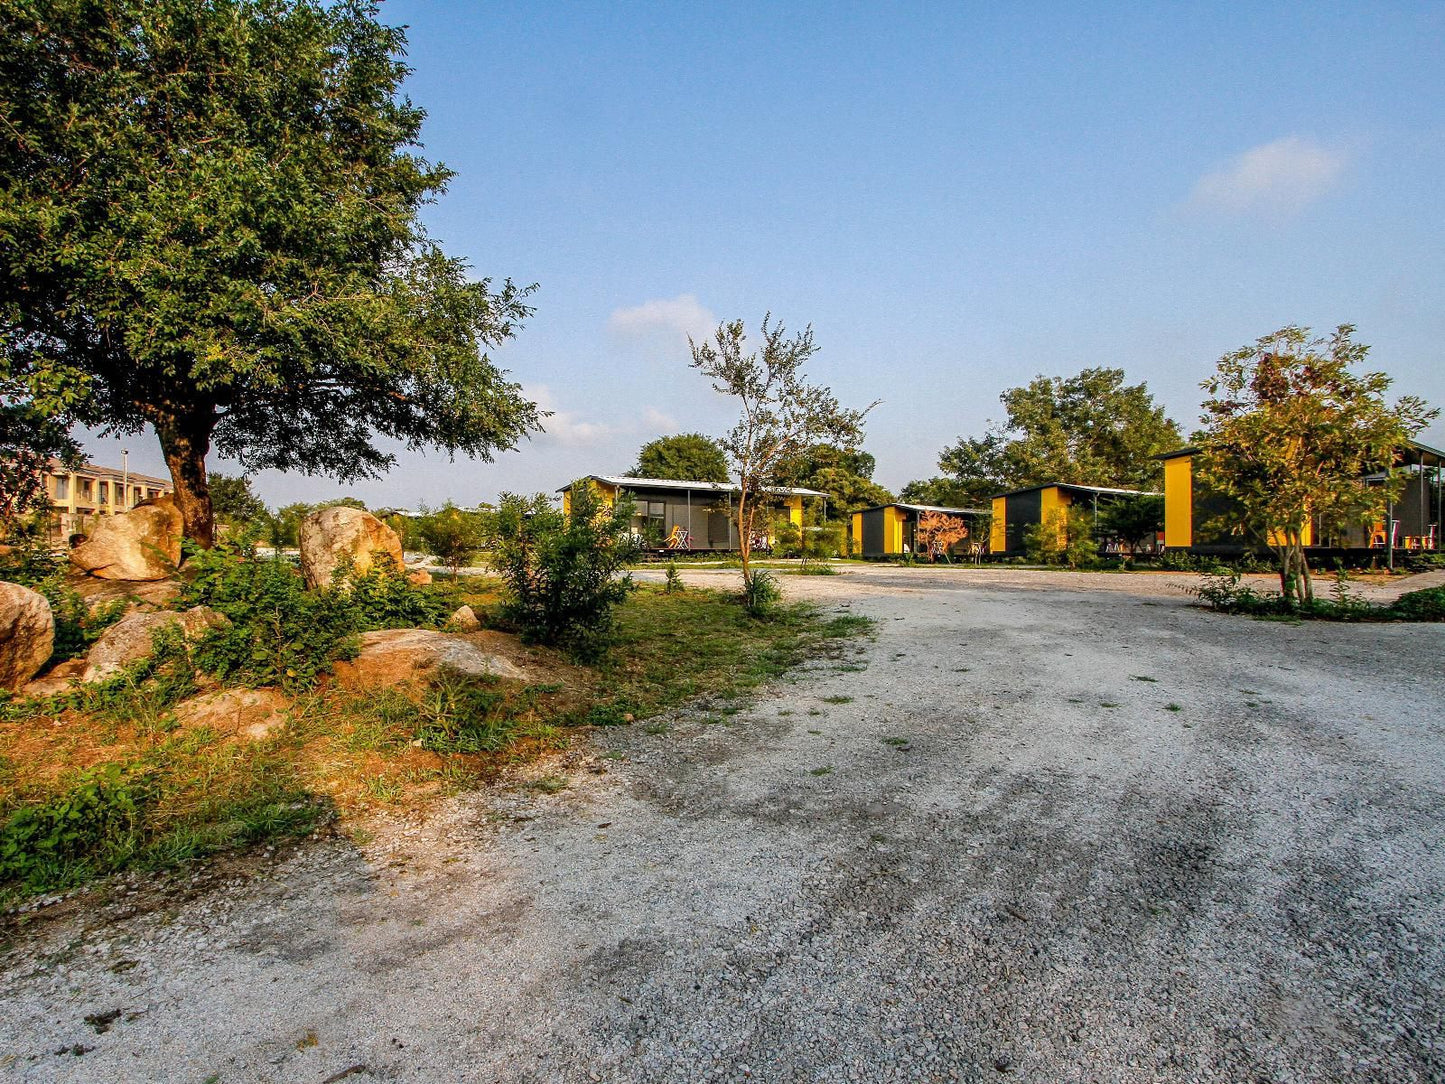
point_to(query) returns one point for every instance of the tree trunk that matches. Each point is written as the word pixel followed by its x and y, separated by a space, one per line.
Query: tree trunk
pixel 745 536
pixel 185 443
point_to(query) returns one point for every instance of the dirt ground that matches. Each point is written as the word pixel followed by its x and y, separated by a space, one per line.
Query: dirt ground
pixel 1041 826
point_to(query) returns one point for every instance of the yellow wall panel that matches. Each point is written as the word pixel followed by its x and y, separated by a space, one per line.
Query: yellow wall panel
pixel 1179 502
pixel 998 532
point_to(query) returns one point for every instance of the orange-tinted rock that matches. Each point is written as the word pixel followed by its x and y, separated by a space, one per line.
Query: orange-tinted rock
pixel 142 544
pixel 331 536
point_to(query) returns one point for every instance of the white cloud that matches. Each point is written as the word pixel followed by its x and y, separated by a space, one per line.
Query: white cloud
pixel 564 426
pixel 1279 177
pixel 655 421
pixel 676 317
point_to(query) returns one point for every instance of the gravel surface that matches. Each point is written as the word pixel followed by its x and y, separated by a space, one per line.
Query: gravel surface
pixel 1043 827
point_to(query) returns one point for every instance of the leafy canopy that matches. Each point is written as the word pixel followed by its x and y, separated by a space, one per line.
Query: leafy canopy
pixel 845 474
pixel 210 215
pixel 688 457
pixel 234 501
pixel 1089 429
pixel 1291 431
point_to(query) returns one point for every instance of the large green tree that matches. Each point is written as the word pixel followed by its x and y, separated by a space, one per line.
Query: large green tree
pixel 1089 429
pixel 845 474
pixel 688 457
pixel 209 208
pixel 942 492
pixel 1291 432
pixel 36 409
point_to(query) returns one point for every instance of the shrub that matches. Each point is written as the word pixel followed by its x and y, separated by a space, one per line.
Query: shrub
pixel 89 828
pixel 563 571
pixel 472 716
pixel 280 633
pixel 674 585
pixel 385 599
pixel 34 565
pixel 1424 605
pixel 761 594
pixel 821 543
pixel 1066 537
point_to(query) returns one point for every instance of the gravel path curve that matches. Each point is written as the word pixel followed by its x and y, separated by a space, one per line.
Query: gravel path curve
pixel 1039 827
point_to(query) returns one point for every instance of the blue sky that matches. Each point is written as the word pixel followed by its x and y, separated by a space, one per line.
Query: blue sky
pixel 957 197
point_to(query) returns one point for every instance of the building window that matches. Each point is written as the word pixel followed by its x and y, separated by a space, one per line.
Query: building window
pixel 84 488
pixel 62 488
pixel 103 494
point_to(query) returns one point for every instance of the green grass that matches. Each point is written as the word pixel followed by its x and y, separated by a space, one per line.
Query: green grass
pixel 837 700
pixel 104 780
pixel 669 649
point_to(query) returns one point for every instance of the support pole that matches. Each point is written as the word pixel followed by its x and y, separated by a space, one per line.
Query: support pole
pixel 1390 536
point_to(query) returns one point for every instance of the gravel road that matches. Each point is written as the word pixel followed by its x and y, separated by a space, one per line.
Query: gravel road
pixel 1039 827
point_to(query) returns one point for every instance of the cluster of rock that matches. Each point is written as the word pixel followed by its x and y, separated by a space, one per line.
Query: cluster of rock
pixel 138 554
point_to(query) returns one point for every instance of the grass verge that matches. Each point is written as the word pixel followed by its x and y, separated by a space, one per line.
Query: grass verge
pixel 110 779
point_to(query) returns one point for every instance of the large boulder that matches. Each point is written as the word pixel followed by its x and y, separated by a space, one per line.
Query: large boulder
pixel 132 638
pixel 27 634
pixel 331 536
pixel 142 544
pixel 393 656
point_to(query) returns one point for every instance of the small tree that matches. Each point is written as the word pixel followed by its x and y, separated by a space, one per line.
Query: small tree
pixel 452 535
pixel 561 569
pixel 937 531
pixel 781 413
pixel 1291 432
pixel 1063 537
pixel 234 502
pixel 1133 520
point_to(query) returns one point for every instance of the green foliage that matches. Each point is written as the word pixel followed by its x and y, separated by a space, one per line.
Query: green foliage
pixel 945 493
pixel 211 216
pixel 234 503
pixel 88 828
pixel 845 474
pixel 383 598
pixel 563 571
pixel 761 594
pixel 1224 593
pixel 823 542
pixel 673 585
pixel 690 457
pixel 34 565
pixel 1291 433
pixel 1089 429
pixel 1064 537
pixel 37 406
pixel 1427 604
pixel 472 716
pixel 280 633
pixel 787 536
pixel 1134 520
pixel 453 535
